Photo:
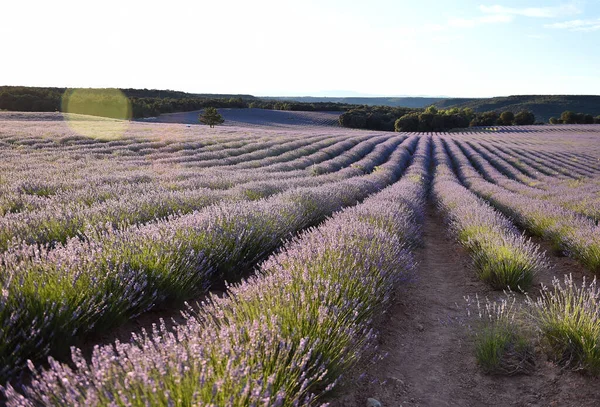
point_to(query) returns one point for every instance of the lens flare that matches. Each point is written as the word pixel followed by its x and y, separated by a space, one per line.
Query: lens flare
pixel 97 113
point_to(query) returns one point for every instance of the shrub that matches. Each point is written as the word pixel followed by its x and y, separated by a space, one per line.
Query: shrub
pixel 507 118
pixel 569 321
pixel 502 344
pixel 485 119
pixel 408 122
pixel 524 117
pixel 211 117
pixel 505 261
pixel 568 117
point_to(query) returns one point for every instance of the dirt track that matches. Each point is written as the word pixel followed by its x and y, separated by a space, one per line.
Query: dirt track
pixel 430 360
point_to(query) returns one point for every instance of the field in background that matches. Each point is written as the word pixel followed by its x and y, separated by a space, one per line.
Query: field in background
pixel 257 117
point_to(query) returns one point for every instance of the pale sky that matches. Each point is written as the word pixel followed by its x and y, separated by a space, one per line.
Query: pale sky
pixel 313 47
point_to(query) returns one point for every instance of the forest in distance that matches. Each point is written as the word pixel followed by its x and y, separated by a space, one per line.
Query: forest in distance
pixel 443 115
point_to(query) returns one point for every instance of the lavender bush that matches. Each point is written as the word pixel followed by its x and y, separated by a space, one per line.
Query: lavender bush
pixel 572 233
pixel 501 255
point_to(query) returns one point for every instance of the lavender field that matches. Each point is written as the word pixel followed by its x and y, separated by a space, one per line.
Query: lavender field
pixel 257 118
pixel 301 250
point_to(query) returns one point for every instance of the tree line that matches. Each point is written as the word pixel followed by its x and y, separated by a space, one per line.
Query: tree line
pixel 569 117
pixel 150 103
pixel 429 119
pixel 373 117
pixel 143 102
pixel 434 119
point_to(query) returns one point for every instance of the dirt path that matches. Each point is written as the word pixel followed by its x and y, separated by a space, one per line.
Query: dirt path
pixel 430 359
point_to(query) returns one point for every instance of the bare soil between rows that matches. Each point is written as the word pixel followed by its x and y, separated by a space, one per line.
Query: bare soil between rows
pixel 427 338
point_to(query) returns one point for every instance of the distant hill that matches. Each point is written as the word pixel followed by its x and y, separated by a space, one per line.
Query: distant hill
pixel 98 102
pixel 132 93
pixel 153 102
pixel 542 106
pixel 154 93
pixel 413 102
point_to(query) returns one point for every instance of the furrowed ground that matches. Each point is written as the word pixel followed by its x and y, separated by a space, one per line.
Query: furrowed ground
pixel 322 265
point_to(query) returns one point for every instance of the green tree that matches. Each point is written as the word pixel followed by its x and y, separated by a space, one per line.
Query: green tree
pixel 468 113
pixel 211 117
pixel 485 119
pixel 507 118
pixel 524 117
pixel 408 122
pixel 425 121
pixel 432 110
pixel 568 117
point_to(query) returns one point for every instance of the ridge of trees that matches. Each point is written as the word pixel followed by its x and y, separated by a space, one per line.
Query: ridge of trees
pixel 145 102
pixel 448 113
pixel 429 119
pixel 542 106
pixel 569 117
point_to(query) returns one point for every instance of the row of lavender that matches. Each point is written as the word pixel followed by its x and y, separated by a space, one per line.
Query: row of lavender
pixel 281 338
pixel 570 232
pixel 537 186
pixel 501 255
pixel 574 186
pixel 86 285
pixel 58 222
pixel 109 179
pixel 562 169
pixel 44 171
pixel 27 174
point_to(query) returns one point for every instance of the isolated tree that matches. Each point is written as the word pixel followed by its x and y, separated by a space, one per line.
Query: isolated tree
pixel 524 117
pixel 211 117
pixel 507 118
